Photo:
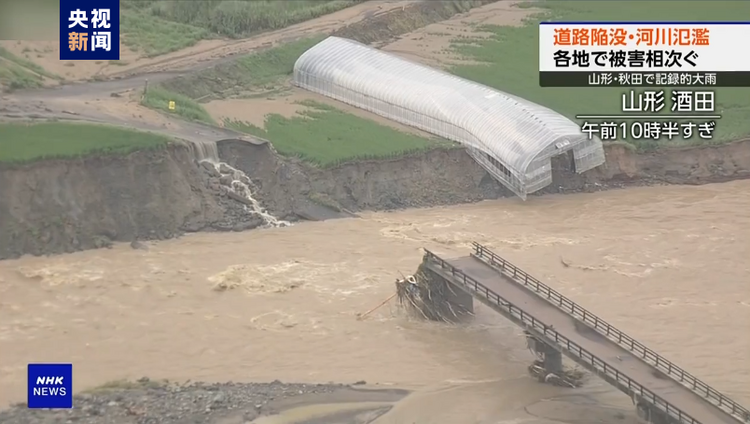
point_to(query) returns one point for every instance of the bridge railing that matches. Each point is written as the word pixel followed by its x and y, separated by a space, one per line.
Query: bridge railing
pixel 563 341
pixel 627 342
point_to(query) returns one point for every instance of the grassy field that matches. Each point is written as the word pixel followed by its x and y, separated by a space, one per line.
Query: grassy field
pixel 156 27
pixel 511 61
pixel 326 136
pixel 158 98
pixel 152 36
pixel 21 143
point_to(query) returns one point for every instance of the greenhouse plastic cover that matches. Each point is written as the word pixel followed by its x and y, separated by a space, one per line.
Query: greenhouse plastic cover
pixel 512 138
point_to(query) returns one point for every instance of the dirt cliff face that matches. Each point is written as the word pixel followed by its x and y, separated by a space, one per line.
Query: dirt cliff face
pixel 694 165
pixel 444 177
pixel 437 177
pixel 63 206
pixel 67 205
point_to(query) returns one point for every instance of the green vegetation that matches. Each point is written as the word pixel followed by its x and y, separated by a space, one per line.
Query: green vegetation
pixel 322 135
pixel 239 18
pixel 20 143
pixel 400 22
pixel 260 71
pixel 152 36
pixel 158 98
pixel 15 77
pixel 18 73
pixel 155 27
pixel 5 54
pixel 510 58
pixel 327 136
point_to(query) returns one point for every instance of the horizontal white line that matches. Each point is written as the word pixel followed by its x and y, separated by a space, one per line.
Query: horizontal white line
pixel 648 116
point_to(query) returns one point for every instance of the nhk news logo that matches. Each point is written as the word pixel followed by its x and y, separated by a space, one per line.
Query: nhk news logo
pixel 50 386
pixel 89 30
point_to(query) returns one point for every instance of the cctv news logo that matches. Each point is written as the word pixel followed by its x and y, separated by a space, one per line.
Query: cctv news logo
pixel 50 386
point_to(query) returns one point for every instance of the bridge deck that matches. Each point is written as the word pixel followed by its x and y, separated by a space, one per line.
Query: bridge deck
pixel 615 356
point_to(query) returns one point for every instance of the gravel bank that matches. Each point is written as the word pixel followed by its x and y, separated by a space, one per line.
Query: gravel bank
pixel 150 402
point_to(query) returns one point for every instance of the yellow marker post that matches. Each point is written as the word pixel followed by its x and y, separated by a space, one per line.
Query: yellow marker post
pixel 171 105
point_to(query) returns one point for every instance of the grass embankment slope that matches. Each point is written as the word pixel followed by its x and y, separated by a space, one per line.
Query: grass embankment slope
pixel 18 73
pixel 23 143
pixel 156 27
pixel 510 58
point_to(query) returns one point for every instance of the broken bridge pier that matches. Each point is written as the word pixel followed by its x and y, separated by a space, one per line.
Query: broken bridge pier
pixel 433 297
pixel 551 358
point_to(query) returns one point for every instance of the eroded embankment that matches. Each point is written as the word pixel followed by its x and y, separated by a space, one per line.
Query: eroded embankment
pixel 57 206
pixel 67 205
pixel 442 177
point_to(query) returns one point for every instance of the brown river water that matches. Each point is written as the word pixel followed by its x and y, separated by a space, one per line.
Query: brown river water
pixel 667 265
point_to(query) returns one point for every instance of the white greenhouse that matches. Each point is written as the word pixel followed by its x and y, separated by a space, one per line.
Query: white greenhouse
pixel 512 138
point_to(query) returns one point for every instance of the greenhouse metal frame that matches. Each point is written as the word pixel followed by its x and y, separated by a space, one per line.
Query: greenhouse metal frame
pixel 512 138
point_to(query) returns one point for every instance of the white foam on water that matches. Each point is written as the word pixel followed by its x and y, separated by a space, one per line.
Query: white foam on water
pixel 256 279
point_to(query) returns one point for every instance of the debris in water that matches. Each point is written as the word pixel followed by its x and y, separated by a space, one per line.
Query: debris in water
pixel 364 315
pixel 571 377
pixel 429 297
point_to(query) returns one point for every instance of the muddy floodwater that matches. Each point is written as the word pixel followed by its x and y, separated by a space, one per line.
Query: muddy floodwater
pixel 667 265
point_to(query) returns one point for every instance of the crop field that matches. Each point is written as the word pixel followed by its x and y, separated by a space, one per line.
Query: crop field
pixel 21 143
pixel 326 136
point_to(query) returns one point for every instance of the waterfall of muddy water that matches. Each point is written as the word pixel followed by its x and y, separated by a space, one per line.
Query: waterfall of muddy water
pixel 667 265
pixel 241 184
pixel 205 150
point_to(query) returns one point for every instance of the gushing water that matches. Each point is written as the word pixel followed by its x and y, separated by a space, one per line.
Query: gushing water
pixel 241 185
pixel 205 151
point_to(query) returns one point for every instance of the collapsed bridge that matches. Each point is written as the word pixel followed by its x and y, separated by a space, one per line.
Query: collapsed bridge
pixel 663 392
pixel 512 138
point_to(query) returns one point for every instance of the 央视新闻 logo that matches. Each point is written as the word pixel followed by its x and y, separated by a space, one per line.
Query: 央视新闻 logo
pixel 89 30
